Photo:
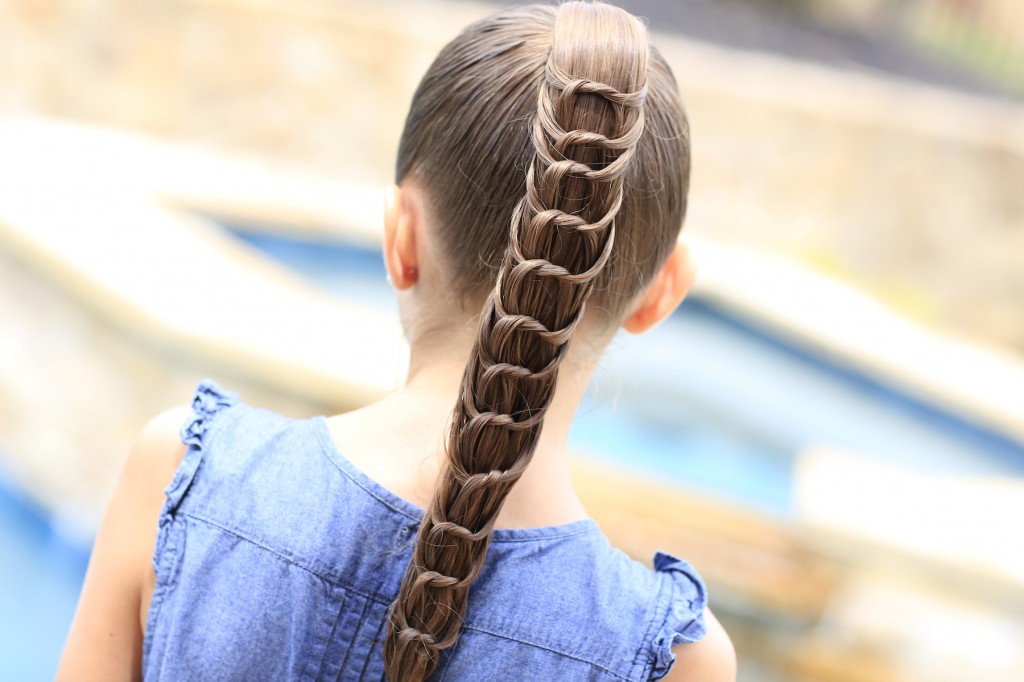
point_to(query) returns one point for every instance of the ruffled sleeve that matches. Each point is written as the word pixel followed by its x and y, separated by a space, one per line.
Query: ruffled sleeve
pixel 207 401
pixel 681 608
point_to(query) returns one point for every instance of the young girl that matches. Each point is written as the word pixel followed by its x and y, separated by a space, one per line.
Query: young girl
pixel 542 179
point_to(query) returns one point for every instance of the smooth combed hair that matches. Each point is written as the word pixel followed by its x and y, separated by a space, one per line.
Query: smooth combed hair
pixel 553 152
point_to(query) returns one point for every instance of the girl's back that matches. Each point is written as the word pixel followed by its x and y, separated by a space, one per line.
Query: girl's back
pixel 277 559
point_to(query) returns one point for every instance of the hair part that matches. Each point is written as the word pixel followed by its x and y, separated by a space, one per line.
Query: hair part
pixel 566 120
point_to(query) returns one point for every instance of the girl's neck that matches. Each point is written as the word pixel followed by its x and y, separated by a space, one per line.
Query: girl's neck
pixel 399 440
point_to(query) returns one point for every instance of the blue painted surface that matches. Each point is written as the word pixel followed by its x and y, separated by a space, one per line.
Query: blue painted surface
pixel 708 401
pixel 41 574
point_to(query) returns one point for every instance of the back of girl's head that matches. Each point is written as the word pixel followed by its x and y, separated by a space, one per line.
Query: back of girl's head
pixel 467 142
pixel 552 150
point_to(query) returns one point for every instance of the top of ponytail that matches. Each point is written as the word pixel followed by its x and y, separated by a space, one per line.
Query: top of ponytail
pixel 588 121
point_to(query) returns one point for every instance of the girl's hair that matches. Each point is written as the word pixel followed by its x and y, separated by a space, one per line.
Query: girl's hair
pixel 566 120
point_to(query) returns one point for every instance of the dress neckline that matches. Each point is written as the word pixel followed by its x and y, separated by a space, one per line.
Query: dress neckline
pixel 403 506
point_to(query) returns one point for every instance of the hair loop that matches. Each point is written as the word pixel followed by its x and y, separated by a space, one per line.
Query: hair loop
pixel 558 78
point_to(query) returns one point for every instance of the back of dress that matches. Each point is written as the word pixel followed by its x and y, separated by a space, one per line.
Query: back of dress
pixel 277 559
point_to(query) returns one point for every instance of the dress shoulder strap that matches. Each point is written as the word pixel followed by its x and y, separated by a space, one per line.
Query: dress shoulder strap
pixel 208 401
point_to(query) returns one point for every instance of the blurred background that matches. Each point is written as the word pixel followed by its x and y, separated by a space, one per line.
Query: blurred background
pixel 831 428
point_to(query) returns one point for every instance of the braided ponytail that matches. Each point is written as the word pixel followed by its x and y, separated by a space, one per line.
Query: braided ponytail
pixel 589 118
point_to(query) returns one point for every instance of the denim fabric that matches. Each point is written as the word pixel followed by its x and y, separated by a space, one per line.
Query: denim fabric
pixel 276 559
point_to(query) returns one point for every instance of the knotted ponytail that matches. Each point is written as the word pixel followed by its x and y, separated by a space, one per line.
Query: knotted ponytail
pixel 588 120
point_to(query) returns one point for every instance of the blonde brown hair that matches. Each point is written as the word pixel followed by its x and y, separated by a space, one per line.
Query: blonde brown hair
pixel 566 121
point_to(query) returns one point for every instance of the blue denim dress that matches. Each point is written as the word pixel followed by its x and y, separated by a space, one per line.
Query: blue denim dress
pixel 276 559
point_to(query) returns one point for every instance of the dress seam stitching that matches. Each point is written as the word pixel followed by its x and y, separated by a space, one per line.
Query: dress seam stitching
pixel 545 648
pixel 287 559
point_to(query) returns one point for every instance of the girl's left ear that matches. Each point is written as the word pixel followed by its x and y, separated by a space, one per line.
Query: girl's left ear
pixel 665 292
pixel 401 223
